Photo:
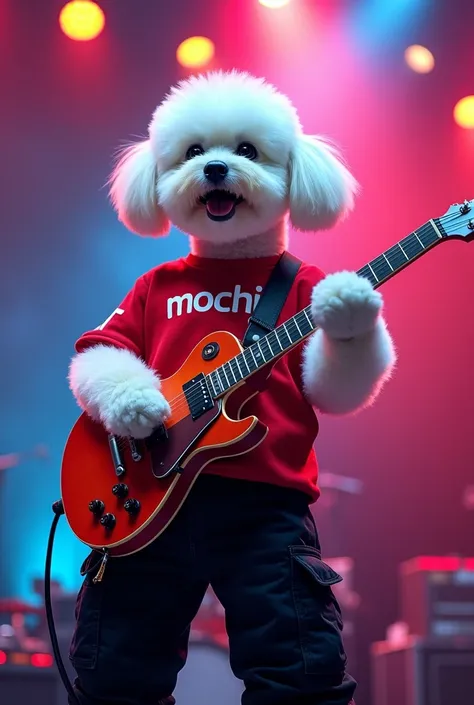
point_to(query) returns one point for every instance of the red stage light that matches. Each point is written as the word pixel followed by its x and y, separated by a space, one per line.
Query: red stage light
pixel 41 660
pixel 419 59
pixel 82 20
pixel 274 4
pixel 3 658
pixel 195 52
pixel 464 112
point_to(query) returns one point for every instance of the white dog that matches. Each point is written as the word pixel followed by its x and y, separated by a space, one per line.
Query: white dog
pixel 227 162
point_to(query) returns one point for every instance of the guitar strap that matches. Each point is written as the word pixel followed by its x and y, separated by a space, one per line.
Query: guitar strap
pixel 272 298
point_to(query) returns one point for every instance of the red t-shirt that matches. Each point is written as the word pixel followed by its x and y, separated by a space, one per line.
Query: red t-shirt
pixel 173 306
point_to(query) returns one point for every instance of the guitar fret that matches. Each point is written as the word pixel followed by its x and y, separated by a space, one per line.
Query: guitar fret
pixel 257 354
pixel 222 380
pixel 287 327
pixel 237 359
pixel 280 333
pixel 372 271
pixel 381 268
pixel 229 370
pixel 225 375
pixel 293 320
pixel 428 235
pixel 412 246
pixel 261 351
pixel 251 352
pixel 214 391
pixel 304 323
pixel 309 319
pixel 235 369
pixel 396 257
pixel 416 235
pixel 245 361
pixel 406 256
pixel 263 342
pixel 366 272
pixel 271 337
pixel 291 331
pixel 386 259
pixel 251 364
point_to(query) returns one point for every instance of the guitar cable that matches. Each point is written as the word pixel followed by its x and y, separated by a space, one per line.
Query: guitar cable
pixel 58 510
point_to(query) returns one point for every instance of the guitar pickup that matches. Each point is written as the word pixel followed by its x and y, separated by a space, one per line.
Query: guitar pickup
pixel 198 396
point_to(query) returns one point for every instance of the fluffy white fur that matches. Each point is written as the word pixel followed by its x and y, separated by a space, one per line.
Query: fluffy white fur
pixel 133 191
pixel 294 178
pixel 341 377
pixel 347 361
pixel 295 175
pixel 118 389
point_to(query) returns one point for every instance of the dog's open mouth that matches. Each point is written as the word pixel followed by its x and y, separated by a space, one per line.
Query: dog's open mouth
pixel 220 204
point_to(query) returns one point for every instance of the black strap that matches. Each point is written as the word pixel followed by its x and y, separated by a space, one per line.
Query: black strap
pixel 272 298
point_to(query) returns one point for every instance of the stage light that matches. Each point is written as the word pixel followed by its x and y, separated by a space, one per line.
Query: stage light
pixel 41 660
pixel 82 20
pixel 195 52
pixel 274 4
pixel 3 658
pixel 419 59
pixel 464 112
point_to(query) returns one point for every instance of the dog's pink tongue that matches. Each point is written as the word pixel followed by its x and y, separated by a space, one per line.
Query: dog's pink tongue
pixel 220 205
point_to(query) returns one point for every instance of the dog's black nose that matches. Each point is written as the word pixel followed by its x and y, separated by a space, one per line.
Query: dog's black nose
pixel 216 171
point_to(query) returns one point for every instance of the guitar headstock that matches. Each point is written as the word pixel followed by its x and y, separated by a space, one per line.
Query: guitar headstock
pixel 458 221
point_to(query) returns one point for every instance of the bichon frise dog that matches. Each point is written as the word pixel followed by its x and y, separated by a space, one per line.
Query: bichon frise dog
pixel 227 162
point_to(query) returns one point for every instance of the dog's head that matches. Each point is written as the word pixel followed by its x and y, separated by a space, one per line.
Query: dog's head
pixel 226 159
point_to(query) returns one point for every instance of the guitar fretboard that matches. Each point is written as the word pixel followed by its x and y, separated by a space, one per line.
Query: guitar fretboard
pixel 296 329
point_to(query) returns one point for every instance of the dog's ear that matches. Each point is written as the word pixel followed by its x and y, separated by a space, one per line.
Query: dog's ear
pixel 133 191
pixel 321 189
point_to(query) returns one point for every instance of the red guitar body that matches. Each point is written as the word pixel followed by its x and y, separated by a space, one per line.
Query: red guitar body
pixel 162 478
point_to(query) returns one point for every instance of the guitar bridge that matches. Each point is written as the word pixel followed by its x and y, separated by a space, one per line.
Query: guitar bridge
pixel 198 396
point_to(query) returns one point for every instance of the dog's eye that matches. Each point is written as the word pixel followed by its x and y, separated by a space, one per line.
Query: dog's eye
pixel 195 150
pixel 246 150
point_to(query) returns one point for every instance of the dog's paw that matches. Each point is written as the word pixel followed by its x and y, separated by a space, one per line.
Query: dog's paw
pixel 345 305
pixel 135 411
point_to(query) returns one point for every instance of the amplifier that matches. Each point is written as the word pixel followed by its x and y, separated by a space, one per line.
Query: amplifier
pixel 423 672
pixel 437 596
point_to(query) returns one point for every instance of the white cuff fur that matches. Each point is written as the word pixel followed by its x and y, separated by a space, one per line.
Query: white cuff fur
pixel 115 387
pixel 341 377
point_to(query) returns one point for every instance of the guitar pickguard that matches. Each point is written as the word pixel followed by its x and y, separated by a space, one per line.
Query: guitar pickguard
pixel 167 454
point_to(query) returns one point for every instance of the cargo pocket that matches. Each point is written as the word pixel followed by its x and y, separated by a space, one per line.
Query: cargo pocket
pixel 84 648
pixel 319 615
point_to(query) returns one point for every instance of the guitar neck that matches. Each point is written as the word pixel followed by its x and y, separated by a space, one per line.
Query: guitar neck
pixel 296 329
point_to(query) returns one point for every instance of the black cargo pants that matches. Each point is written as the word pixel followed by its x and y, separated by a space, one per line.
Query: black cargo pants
pixel 257 545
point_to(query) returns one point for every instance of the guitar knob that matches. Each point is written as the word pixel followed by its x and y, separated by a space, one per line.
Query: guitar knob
pixel 108 521
pixel 132 506
pixel 120 490
pixel 96 506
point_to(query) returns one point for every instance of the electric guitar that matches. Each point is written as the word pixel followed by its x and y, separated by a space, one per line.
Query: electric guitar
pixel 119 494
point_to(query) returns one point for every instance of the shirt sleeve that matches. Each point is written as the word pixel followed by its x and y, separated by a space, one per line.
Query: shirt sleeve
pixel 124 328
pixel 307 278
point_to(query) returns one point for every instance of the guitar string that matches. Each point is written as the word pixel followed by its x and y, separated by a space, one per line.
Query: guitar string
pixel 181 398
